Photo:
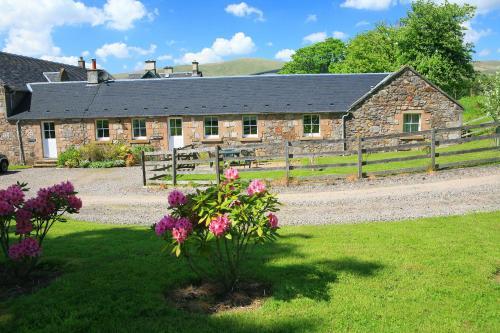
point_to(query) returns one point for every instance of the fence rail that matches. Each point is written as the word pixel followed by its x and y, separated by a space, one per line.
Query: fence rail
pixel 165 167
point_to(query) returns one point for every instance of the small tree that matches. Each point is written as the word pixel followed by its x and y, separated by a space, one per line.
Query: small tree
pixel 491 102
pixel 218 225
pixel 30 221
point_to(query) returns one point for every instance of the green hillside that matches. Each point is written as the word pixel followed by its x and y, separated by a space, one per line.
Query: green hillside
pixel 228 68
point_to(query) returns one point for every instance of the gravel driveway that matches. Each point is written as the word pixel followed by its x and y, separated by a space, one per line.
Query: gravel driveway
pixel 117 196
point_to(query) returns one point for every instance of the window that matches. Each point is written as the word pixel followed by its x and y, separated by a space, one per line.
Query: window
pixel 211 127
pixel 139 128
pixel 411 122
pixel 175 125
pixel 249 126
pixel 311 125
pixel 49 131
pixel 102 129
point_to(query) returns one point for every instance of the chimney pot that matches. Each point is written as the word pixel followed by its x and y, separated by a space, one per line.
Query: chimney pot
pixel 81 62
pixel 168 70
pixel 195 68
pixel 150 65
pixel 94 64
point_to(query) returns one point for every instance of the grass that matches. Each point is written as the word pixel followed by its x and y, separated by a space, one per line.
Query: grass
pixel 426 275
pixel 474 114
pixel 278 174
pixel 18 167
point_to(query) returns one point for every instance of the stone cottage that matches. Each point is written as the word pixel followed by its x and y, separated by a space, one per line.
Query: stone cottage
pixel 174 112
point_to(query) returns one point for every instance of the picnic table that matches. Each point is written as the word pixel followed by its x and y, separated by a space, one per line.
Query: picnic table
pixel 238 152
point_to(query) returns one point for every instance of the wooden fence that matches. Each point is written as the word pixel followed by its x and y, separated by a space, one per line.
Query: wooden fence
pixel 206 165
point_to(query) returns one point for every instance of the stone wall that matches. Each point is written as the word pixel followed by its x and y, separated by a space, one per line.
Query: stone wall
pixel 9 143
pixel 382 113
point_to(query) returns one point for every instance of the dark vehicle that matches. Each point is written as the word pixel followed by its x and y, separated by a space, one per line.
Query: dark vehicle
pixel 4 163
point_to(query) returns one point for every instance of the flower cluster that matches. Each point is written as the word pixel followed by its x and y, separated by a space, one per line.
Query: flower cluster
pixel 272 221
pixel 176 198
pixel 28 247
pixel 10 198
pixel 220 225
pixel 256 187
pixel 180 228
pixel 231 174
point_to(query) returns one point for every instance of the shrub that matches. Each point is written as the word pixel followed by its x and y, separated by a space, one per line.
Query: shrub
pixel 99 152
pixel 106 164
pixel 218 224
pixel 136 152
pixel 69 158
pixel 32 219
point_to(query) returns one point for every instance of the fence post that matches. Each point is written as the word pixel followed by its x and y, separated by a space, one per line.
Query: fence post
pixel 433 149
pixel 360 158
pixel 287 162
pixel 174 166
pixel 143 164
pixel 217 164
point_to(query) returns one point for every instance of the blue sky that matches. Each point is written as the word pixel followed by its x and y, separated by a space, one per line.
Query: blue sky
pixel 121 34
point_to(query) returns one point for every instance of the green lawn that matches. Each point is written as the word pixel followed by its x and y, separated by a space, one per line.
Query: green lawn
pixel 278 174
pixel 18 167
pixel 425 275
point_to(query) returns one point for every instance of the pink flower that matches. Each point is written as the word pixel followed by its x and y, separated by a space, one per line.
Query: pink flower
pixel 182 229
pixel 41 205
pixel 166 223
pixel 220 225
pixel 74 203
pixel 23 221
pixel 6 208
pixel 176 198
pixel 231 174
pixel 256 187
pixel 28 247
pixel 273 221
pixel 13 195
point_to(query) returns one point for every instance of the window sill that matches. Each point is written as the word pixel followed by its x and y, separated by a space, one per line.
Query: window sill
pixel 139 141
pixel 413 138
pixel 102 141
pixel 211 140
pixel 250 139
pixel 311 138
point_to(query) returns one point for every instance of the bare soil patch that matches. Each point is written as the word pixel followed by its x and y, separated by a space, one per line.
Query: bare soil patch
pixel 42 276
pixel 211 298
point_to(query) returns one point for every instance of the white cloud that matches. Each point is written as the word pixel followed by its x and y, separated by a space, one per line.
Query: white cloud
pixel 315 37
pixel 311 18
pixel 340 35
pixel 269 44
pixel 70 60
pixel 472 35
pixel 284 55
pixel 29 24
pixel 483 6
pixel 362 23
pixel 85 53
pixel 368 4
pixel 484 53
pixel 165 57
pixel 242 9
pixel 238 44
pixel 122 50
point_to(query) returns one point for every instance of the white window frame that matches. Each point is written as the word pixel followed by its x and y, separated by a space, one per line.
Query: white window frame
pixel 256 126
pixel 210 136
pixel 411 122
pixel 145 129
pixel 311 124
pixel 175 127
pixel 97 128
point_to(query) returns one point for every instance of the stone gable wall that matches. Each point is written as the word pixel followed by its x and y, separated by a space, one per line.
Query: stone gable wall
pixel 382 113
pixel 9 144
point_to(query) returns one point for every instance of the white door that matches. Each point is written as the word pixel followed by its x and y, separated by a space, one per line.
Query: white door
pixel 175 139
pixel 49 140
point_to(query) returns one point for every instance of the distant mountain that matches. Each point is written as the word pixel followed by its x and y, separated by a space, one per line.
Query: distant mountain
pixel 228 68
pixel 488 66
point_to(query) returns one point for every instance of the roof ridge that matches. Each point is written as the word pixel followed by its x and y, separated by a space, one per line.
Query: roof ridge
pixel 38 59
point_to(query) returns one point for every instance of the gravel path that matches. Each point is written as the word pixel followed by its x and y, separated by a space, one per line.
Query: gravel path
pixel 116 195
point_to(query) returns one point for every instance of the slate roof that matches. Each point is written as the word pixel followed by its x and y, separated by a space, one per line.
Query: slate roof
pixel 16 70
pixel 199 96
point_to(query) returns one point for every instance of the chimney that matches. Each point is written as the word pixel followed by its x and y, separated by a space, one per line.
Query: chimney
pixel 81 62
pixel 195 68
pixel 168 70
pixel 150 65
pixel 93 73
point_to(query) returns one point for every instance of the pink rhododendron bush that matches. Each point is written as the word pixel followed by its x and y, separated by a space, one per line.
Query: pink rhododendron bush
pixel 219 225
pixel 24 223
